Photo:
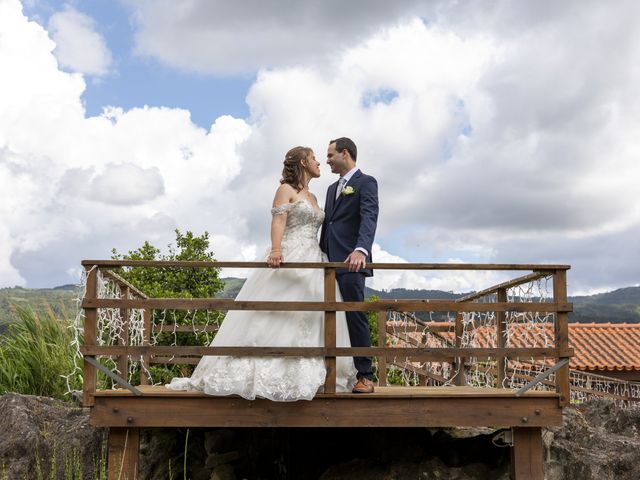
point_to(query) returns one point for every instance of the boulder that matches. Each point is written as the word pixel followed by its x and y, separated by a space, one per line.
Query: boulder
pixel 42 434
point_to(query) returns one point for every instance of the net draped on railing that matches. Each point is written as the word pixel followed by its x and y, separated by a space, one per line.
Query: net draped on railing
pixel 431 330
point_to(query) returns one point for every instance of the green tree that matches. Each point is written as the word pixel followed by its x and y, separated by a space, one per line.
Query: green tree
pixel 176 282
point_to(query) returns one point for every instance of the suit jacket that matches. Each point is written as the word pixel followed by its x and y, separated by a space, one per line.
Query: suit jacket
pixel 350 221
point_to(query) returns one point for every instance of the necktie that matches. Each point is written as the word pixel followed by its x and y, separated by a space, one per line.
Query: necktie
pixel 341 183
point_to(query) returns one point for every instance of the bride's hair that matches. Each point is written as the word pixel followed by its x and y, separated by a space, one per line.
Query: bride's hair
pixel 292 173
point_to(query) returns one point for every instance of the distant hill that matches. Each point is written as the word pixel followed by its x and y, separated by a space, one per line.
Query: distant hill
pixel 618 306
pixel 60 300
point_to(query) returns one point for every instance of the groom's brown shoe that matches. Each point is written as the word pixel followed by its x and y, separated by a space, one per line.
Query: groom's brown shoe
pixel 364 385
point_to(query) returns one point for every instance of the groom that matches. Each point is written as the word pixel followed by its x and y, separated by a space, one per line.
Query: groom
pixel 351 213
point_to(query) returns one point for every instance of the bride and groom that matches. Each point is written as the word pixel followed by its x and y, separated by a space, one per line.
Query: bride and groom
pixel 348 225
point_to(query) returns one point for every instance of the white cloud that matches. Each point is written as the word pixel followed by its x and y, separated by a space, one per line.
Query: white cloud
pixel 66 177
pixel 497 134
pixel 78 45
pixel 217 36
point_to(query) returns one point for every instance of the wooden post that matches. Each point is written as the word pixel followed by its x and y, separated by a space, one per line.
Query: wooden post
pixel 123 339
pixel 90 320
pixel 562 334
pixel 501 336
pixel 527 454
pixel 124 449
pixel 382 342
pixel 330 329
pixel 146 340
pixel 461 360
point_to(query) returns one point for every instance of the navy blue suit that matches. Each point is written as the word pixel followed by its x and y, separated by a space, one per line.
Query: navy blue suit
pixel 350 222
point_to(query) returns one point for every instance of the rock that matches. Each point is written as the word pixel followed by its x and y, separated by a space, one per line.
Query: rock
pixel 216 459
pixel 41 433
pixel 223 472
pixel 597 441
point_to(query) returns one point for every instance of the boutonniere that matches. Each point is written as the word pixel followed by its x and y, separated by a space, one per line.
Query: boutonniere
pixel 348 190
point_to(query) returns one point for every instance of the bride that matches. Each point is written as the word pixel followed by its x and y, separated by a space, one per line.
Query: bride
pixel 296 218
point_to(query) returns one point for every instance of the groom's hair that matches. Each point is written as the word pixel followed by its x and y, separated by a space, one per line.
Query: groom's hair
pixel 344 142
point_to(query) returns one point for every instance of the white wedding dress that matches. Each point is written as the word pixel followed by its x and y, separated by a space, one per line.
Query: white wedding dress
pixel 280 379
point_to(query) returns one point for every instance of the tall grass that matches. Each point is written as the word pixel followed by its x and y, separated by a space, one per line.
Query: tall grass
pixel 35 354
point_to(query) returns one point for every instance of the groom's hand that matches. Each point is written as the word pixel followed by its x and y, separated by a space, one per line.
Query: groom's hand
pixel 356 261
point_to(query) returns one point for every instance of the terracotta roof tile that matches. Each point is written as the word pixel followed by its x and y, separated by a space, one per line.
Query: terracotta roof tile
pixel 597 346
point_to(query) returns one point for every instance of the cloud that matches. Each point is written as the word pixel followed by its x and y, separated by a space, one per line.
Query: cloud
pixel 78 46
pixel 497 134
pixel 229 37
pixel 66 177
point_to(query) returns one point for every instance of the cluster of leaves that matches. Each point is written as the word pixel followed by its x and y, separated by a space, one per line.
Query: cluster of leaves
pixel 176 282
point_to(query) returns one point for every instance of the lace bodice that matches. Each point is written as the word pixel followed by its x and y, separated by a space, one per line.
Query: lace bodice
pixel 301 230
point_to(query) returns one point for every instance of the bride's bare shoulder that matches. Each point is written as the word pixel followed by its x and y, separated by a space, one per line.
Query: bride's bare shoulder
pixel 284 194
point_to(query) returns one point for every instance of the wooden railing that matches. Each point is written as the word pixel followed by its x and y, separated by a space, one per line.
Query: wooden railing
pixel 456 354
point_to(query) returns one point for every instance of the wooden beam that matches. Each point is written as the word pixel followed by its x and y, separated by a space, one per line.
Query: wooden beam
pixel 330 329
pixel 327 411
pixel 90 323
pixel 501 336
pixel 562 336
pixel 527 454
pixel 123 338
pixel 441 354
pixel 375 266
pixel 382 343
pixel 510 284
pixel 147 315
pixel 379 305
pixel 123 453
pixel 124 283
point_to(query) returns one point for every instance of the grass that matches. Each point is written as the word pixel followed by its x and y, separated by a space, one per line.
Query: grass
pixel 36 354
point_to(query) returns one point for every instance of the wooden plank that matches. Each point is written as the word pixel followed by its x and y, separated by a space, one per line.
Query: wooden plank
pixel 330 329
pixel 390 391
pixel 124 283
pixel 562 335
pixel 441 354
pixel 375 266
pixel 527 454
pixel 505 285
pixel 460 360
pixel 423 373
pixel 147 315
pixel 123 453
pixel 396 305
pixel 382 343
pixel 123 360
pixel 501 335
pixel 336 411
pixel 90 322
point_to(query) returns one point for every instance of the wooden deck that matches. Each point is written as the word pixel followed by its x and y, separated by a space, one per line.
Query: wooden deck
pixel 390 406
pixel 125 413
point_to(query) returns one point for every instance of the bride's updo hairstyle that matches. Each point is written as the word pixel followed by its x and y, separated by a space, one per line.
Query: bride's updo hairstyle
pixel 292 173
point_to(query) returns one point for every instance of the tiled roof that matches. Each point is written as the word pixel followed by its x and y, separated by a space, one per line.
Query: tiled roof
pixel 597 346
pixel 605 346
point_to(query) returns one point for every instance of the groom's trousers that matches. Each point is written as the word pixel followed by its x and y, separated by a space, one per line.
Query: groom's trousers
pixel 352 290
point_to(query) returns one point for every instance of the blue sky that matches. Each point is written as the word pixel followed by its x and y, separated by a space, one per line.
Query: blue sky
pixel 499 133
pixel 137 80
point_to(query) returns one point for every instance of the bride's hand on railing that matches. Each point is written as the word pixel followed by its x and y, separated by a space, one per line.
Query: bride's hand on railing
pixel 275 258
